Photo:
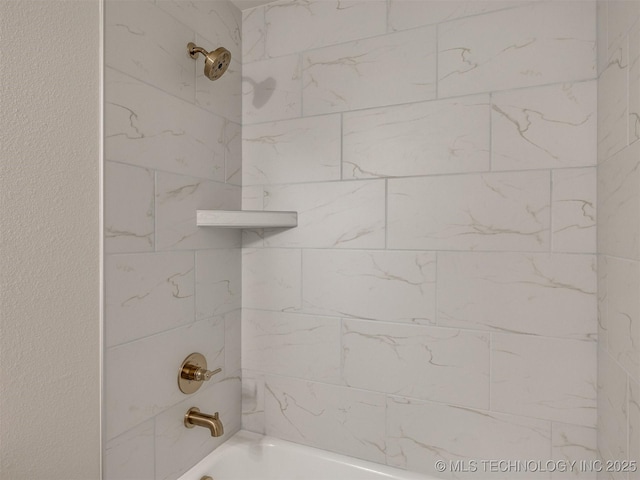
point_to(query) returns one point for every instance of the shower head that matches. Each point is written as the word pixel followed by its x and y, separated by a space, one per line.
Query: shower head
pixel 216 61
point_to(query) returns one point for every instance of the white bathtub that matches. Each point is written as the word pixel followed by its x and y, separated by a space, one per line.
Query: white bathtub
pixel 249 456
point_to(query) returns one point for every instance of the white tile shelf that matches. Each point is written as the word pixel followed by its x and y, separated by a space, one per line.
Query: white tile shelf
pixel 246 219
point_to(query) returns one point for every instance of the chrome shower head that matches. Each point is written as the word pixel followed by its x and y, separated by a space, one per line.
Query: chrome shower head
pixel 216 62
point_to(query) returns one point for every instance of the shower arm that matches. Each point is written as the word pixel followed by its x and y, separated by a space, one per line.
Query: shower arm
pixel 194 51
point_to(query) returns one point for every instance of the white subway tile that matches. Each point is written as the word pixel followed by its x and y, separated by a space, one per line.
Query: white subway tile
pixel 548 378
pixel 623 313
pixel 536 44
pixel 147 293
pixel 295 26
pixel 271 90
pixel 445 136
pixel 218 282
pixel 619 204
pixel 613 104
pixel 177 199
pixel 302 346
pixel 439 364
pixel 331 215
pixel 179 448
pixel 420 433
pixel 330 417
pixel 497 211
pixel 404 14
pixel 271 279
pixel 369 284
pixel 544 127
pixel 292 151
pixel 129 206
pixel 395 68
pixel 573 210
pixel 130 456
pixel 145 42
pixel 131 399
pixel 148 128
pixel 538 294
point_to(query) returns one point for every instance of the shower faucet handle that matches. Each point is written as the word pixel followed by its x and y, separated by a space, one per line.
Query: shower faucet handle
pixel 193 372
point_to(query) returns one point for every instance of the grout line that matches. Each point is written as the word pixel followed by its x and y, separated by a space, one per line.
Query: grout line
pixel 386 214
pixel 551 211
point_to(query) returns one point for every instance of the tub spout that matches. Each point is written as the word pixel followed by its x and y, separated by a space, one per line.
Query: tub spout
pixel 194 418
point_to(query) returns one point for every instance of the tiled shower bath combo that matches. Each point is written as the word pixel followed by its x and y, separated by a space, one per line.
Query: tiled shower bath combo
pixel 444 295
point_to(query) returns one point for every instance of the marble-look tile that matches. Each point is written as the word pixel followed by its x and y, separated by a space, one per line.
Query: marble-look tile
pixel 253 197
pixel 295 26
pixel 613 104
pixel 544 127
pixel 130 456
pixel 370 284
pixel 420 433
pixel 404 14
pixel 537 294
pixel 233 153
pixel 619 204
pixel 330 215
pixel 219 21
pixel 232 342
pixel 179 448
pixel 271 90
pixel 397 68
pixel 496 211
pixel 224 95
pixel 303 150
pixel 536 44
pixel 634 421
pixel 573 210
pixel 129 197
pixel 302 346
pixel 621 15
pixel 218 282
pixel 601 34
pixel 440 364
pixel 149 128
pixel 147 293
pixel 271 279
pixel 132 399
pixel 526 380
pixel 612 407
pixel 573 443
pixel 145 42
pixel 623 313
pixel 445 136
pixel 634 83
pixel 603 300
pixel 253 32
pixel 334 418
pixel 252 401
pixel 177 199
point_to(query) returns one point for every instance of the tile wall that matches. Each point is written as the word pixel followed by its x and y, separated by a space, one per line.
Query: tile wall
pixel 438 298
pixel 172 145
pixel 618 233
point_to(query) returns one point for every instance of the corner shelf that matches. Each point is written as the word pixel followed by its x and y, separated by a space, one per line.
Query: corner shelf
pixel 246 219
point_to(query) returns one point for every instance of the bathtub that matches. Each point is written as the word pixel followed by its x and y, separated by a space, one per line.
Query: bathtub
pixel 249 456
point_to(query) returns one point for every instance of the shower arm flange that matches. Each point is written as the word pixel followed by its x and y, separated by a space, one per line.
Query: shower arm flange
pixel 194 50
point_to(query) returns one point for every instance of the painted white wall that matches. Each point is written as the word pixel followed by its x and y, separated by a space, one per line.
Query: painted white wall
pixel 49 259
